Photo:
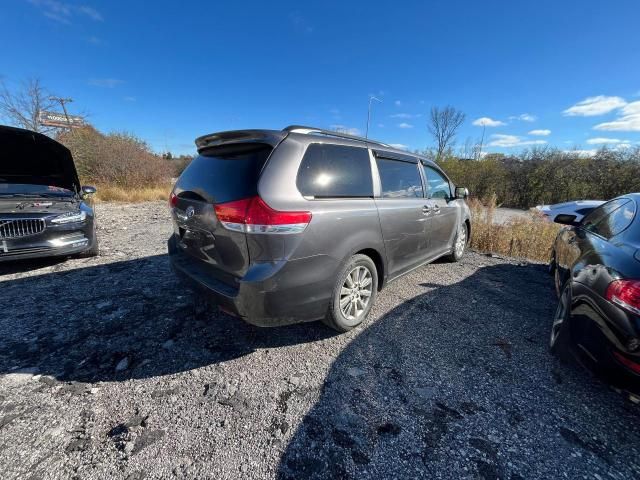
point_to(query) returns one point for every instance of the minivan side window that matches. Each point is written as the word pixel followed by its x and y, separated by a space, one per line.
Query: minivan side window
pixel 437 184
pixel 335 171
pixel 399 179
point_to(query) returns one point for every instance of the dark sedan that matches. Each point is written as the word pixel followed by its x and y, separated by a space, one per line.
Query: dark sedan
pixel 43 211
pixel 597 274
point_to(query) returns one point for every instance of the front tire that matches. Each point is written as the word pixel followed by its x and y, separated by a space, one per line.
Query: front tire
pixel 560 334
pixel 353 294
pixel 459 244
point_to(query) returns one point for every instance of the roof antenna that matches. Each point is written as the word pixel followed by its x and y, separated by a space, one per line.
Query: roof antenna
pixel 371 97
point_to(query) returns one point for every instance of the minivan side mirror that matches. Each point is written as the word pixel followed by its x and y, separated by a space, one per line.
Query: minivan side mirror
pixel 566 219
pixel 462 192
pixel 88 190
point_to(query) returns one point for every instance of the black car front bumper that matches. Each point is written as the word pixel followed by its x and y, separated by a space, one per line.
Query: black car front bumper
pixel 59 240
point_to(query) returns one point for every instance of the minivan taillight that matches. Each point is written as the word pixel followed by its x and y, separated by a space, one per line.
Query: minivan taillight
pixel 173 200
pixel 253 215
pixel 625 294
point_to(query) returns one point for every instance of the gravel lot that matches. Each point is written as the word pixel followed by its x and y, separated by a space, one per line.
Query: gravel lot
pixel 107 372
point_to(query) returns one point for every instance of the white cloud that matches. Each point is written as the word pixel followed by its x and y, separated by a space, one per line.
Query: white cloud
pixel 630 123
pixel 129 99
pixel 406 115
pixel 63 12
pixel 508 141
pixel 592 106
pixel 541 132
pixel 632 108
pixel 397 103
pixel 399 146
pixel 487 122
pixel 105 82
pixel 345 129
pixel 90 12
pixel 381 125
pixel 603 141
pixel 405 125
pixel 525 117
pixel 583 153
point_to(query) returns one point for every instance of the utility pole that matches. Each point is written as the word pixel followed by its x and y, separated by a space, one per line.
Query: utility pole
pixel 481 142
pixel 371 97
pixel 64 109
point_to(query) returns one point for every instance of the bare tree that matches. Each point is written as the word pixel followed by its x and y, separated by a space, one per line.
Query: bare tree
pixel 444 124
pixel 22 107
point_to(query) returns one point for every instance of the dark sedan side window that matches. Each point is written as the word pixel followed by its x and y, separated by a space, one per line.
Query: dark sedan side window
pixel 611 218
pixel 618 220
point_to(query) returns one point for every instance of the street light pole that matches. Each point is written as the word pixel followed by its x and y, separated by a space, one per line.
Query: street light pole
pixel 371 97
pixel 64 109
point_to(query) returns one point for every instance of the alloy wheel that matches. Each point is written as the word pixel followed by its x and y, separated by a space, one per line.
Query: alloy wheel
pixel 461 241
pixel 355 293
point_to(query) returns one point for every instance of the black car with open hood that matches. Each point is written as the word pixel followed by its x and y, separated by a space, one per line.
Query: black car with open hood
pixel 43 208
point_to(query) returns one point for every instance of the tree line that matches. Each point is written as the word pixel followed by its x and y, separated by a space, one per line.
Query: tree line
pixel 547 175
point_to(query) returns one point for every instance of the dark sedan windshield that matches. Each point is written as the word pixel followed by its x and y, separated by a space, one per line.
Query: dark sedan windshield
pixel 17 189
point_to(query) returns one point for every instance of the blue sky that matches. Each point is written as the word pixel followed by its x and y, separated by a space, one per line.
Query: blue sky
pixel 170 71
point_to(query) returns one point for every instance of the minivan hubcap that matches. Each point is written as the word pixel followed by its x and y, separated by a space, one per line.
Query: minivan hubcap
pixel 355 293
pixel 461 241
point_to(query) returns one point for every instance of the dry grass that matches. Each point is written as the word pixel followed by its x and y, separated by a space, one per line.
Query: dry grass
pixel 132 195
pixel 526 237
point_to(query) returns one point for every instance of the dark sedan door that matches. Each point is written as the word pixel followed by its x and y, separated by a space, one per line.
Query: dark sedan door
pixel 444 221
pixel 403 213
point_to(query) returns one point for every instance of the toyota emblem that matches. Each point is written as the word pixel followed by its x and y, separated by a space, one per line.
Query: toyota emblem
pixel 190 212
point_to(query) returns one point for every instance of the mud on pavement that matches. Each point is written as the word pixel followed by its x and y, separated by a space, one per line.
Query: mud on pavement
pixel 106 371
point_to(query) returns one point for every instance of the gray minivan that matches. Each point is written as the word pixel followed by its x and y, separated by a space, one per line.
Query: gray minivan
pixel 302 224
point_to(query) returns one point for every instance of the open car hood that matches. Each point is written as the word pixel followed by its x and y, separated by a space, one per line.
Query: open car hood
pixel 32 158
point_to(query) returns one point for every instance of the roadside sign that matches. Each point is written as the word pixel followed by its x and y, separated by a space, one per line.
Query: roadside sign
pixel 55 119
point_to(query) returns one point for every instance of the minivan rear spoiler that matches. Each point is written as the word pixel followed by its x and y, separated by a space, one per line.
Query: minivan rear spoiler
pixel 269 137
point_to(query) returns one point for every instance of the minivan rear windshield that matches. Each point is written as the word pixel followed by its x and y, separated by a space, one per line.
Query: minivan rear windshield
pixel 224 173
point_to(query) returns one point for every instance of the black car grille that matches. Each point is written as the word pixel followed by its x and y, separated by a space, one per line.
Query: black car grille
pixel 21 227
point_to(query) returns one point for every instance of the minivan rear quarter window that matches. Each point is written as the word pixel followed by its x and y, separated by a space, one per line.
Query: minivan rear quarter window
pixel 336 171
pixel 225 173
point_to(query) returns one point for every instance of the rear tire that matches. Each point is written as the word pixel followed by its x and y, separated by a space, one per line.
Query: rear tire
pixel 560 334
pixel 353 294
pixel 552 264
pixel 459 244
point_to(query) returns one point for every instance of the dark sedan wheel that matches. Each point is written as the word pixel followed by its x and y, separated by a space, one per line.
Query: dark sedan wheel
pixel 353 294
pixel 559 341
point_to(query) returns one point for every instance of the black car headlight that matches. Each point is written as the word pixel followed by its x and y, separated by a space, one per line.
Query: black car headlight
pixel 70 217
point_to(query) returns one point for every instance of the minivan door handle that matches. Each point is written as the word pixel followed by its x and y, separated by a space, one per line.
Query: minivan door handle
pixel 426 209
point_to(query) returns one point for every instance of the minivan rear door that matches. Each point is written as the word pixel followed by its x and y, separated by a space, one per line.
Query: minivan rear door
pixel 220 174
pixel 403 211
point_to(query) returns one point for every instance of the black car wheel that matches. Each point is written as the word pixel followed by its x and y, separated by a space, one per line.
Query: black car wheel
pixel 552 264
pixel 559 341
pixel 353 294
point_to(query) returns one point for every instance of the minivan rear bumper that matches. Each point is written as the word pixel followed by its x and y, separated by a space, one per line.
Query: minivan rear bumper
pixel 270 293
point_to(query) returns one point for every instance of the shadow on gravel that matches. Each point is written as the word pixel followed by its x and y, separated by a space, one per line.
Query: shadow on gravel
pixel 458 383
pixel 130 319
